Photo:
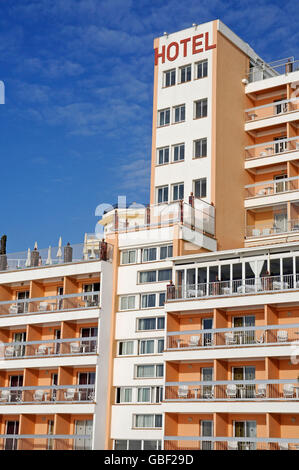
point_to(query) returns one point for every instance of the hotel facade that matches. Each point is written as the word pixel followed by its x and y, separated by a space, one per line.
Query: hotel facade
pixel 180 329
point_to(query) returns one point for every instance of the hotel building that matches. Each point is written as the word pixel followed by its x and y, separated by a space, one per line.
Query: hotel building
pixel 184 333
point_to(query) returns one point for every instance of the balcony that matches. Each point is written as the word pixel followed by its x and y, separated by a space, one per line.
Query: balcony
pixel 246 390
pixel 274 109
pixel 251 286
pixel 272 148
pixel 270 335
pixel 229 443
pixel 49 304
pixel 49 348
pixel 45 442
pixel 272 187
pixel 51 394
pixel 262 70
pixel 286 226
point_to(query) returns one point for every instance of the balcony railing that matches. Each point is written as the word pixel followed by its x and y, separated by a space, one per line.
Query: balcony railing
pixel 241 390
pixel 229 443
pixel 51 304
pixel 45 441
pixel 234 287
pixel 264 230
pixel 273 109
pixel 262 70
pixel 270 335
pixel 269 188
pixel 50 394
pixel 274 147
pixel 48 348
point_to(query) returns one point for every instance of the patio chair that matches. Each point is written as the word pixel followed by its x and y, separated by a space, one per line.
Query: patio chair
pixel 183 391
pixel 13 308
pixel 231 391
pixel 41 350
pixel 4 396
pixel 230 338
pixel 232 445
pixel 261 339
pixel 43 306
pixel 288 391
pixel 282 336
pixel 283 446
pixel 194 340
pixel 38 395
pixel 69 394
pixel 261 391
pixel 75 348
pixel 9 351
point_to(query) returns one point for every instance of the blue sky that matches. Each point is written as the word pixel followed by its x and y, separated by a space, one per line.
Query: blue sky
pixel 76 126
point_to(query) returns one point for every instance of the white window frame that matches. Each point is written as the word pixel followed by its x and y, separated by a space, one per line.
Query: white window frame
pixel 129 252
pixel 179 152
pixel 182 110
pixel 202 63
pixel 203 104
pixel 164 151
pixel 163 189
pixel 203 144
pixel 164 112
pixel 194 183
pixel 185 69
pixel 128 297
pixel 178 186
pixel 171 73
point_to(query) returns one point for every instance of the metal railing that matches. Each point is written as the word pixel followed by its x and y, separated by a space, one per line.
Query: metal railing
pixel 233 287
pixel 56 303
pixel 233 390
pixel 46 348
pixel 276 108
pixel 274 147
pixel 47 394
pixel 264 230
pixel 234 337
pixel 269 188
pixel 52 256
pixel 229 443
pixel 263 70
pixel 45 441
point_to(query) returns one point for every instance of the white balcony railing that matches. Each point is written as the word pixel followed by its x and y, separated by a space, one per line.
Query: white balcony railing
pixel 45 441
pixel 270 335
pixel 234 287
pixel 229 443
pixel 274 147
pixel 56 303
pixel 272 187
pixel 263 70
pixel 50 394
pixel 48 348
pixel 276 108
pixel 271 229
pixel 241 390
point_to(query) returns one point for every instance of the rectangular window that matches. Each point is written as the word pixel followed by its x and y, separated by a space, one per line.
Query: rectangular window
pixel 163 156
pixel 179 113
pixel 147 346
pixel 144 324
pixel 200 148
pixel 149 371
pixel 185 74
pixel 128 257
pixel 161 323
pixel 126 348
pixel 178 191
pixel 148 421
pixel 201 108
pixel 148 300
pixel 201 68
pixel 123 395
pixel 200 188
pixel 149 254
pixel 162 297
pixel 144 395
pixel 164 274
pixel 178 152
pixel 127 302
pixel 166 252
pixel 147 276
pixel 160 346
pixel 162 194
pixel 169 78
pixel 164 117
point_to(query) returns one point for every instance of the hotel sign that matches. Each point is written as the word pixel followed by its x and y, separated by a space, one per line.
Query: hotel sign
pixel 197 44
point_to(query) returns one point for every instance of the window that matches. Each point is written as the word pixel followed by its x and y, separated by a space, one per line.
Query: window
pixel 124 395
pixel 148 421
pixel 179 113
pixel 91 300
pixel 201 69
pixel 169 78
pixel 164 117
pixel 185 74
pixel 162 194
pixel 125 348
pixel 164 274
pixel 144 395
pixel 148 300
pixel 149 254
pixel 150 371
pixel 201 108
pixel 147 346
pixel 83 428
pixel 127 302
pixel 163 156
pixel 200 187
pixel 128 257
pixel 147 276
pixel 178 191
pixel 160 346
pixel 162 298
pixel 152 323
pixel 166 252
pixel 200 148
pixel 178 152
